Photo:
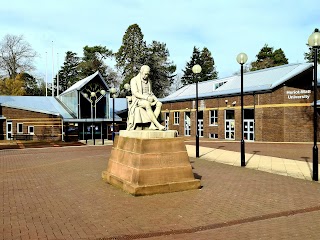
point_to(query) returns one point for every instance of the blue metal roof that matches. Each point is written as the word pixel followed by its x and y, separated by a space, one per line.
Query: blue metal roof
pixel 47 105
pixel 256 81
pixel 119 105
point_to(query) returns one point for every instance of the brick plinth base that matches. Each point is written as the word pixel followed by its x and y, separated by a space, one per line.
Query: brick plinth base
pixel 144 166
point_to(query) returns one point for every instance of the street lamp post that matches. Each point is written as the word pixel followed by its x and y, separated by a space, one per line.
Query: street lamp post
pixel 94 97
pixel 242 59
pixel 314 42
pixel 197 69
pixel 113 91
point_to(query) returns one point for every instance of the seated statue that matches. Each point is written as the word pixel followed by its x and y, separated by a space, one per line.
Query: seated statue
pixel 143 108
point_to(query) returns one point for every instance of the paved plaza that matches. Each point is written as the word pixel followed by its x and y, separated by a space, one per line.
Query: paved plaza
pixel 58 193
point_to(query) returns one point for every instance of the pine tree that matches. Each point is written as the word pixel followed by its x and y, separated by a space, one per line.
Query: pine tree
pixel 279 57
pixel 161 69
pixel 309 56
pixel 132 54
pixel 188 76
pixel 93 60
pixel 206 61
pixel 208 71
pixel 69 74
pixel 267 58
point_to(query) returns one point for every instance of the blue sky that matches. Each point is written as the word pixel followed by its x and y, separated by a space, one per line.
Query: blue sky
pixel 225 27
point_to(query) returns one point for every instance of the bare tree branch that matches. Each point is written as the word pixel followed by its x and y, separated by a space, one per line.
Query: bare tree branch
pixel 16 55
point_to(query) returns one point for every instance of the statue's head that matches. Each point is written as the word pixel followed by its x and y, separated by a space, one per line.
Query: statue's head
pixel 145 71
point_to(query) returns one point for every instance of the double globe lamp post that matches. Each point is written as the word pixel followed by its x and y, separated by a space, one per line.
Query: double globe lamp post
pixel 196 69
pixel 94 99
pixel 113 92
pixel 314 42
pixel 242 59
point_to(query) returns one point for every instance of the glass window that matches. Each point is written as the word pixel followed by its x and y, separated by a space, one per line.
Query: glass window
pixel 176 118
pixel 19 127
pixel 229 114
pixel 248 113
pixel 70 99
pixel 213 117
pixel 213 135
pixel 31 130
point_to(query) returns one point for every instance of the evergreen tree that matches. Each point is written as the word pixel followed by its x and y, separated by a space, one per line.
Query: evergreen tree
pixel 69 73
pixel 279 57
pixel 208 71
pixel 206 61
pixel 188 76
pixel 267 58
pixel 93 60
pixel 132 53
pixel 30 84
pixel 309 56
pixel 161 69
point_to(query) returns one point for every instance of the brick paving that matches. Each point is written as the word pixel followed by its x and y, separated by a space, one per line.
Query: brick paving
pixel 296 151
pixel 58 193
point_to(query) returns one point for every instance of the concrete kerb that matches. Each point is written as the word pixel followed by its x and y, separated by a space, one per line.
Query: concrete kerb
pixel 280 166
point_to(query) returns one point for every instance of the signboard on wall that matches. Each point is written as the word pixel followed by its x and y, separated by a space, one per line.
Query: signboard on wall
pixel 298 94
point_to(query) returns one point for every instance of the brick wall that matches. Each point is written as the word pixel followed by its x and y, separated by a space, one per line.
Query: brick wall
pixel 46 126
pixel 283 115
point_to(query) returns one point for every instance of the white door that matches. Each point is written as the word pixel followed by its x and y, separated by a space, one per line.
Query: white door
pixel 229 129
pixel 248 130
pixel 9 130
pixel 166 121
pixel 187 124
pixel 200 127
pixel 229 125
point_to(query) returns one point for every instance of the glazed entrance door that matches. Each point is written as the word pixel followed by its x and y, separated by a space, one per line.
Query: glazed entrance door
pixel 200 123
pixel 9 130
pixel 229 125
pixel 248 124
pixel 187 123
pixel 229 129
pixel 248 132
pixel 166 120
pixel 200 127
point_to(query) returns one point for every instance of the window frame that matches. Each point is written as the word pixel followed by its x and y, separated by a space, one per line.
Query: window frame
pixel 29 132
pixel 18 128
pixel 176 118
pixel 214 118
pixel 213 135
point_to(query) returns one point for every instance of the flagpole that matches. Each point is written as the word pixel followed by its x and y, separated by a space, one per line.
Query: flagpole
pixel 58 74
pixel 52 72
pixel 46 74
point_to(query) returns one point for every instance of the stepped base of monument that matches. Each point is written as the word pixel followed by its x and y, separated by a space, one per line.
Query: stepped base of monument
pixel 149 163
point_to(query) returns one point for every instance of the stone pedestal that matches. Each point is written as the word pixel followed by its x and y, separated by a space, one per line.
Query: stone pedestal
pixel 150 162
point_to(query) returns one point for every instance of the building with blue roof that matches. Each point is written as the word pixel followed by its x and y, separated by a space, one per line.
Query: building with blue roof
pixel 277 106
pixel 81 112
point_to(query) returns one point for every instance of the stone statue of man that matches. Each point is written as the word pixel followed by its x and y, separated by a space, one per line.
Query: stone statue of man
pixel 143 97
